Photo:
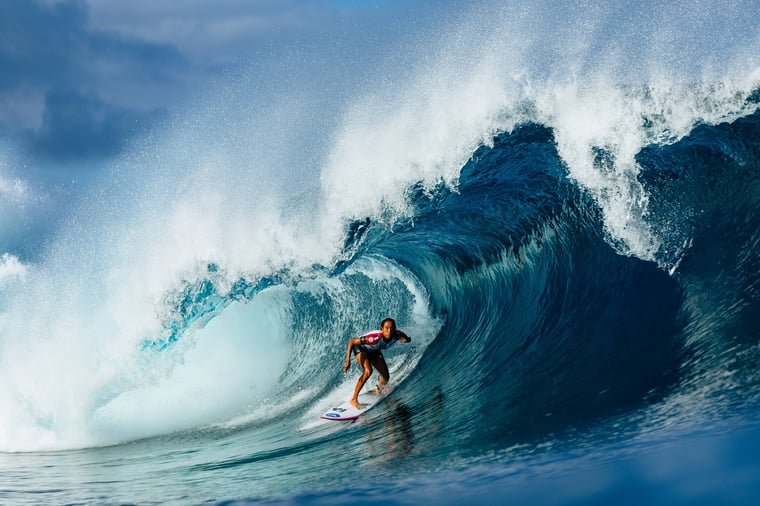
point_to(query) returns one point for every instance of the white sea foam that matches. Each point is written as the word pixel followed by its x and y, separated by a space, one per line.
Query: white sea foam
pixel 11 268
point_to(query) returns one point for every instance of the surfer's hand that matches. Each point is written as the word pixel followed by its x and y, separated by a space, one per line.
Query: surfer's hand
pixel 346 366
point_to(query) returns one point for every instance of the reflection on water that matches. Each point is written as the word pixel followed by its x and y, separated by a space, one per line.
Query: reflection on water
pixel 403 429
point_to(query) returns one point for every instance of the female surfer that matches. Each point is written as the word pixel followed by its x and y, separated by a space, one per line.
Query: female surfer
pixel 368 351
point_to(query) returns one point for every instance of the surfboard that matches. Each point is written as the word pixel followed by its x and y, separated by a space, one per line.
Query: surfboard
pixel 345 411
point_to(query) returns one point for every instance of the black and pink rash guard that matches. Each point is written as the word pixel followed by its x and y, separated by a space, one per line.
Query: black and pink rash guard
pixel 374 342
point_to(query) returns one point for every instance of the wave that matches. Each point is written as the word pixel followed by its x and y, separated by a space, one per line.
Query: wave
pixel 566 248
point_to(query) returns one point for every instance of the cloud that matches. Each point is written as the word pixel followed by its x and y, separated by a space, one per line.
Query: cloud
pixel 80 78
pixel 77 125
pixel 215 34
pixel 67 90
pixel 53 44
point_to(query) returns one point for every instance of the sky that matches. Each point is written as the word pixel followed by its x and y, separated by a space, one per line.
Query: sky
pixel 82 81
pixel 79 78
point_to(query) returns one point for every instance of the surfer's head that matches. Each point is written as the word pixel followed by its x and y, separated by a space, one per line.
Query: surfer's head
pixel 388 327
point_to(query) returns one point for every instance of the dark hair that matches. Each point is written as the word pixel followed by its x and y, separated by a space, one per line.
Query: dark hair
pixel 382 323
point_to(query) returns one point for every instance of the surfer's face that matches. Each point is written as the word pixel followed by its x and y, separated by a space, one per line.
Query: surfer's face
pixel 388 330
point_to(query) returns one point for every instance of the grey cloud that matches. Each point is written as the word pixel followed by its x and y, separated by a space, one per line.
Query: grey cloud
pixel 76 125
pixel 87 79
pixel 79 79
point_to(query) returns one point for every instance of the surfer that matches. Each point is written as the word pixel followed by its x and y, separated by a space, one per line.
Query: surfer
pixel 368 351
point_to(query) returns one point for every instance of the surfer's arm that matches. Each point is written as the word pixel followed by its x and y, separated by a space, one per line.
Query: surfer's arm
pixel 404 338
pixel 351 343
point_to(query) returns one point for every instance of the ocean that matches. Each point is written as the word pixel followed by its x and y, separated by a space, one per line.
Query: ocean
pixel 559 204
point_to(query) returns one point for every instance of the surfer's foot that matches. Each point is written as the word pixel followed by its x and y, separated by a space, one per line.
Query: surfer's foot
pixel 381 389
pixel 355 403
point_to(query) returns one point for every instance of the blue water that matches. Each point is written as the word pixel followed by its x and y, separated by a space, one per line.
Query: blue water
pixel 576 257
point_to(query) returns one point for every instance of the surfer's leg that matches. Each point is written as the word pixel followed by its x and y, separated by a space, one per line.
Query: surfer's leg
pixel 382 368
pixel 364 362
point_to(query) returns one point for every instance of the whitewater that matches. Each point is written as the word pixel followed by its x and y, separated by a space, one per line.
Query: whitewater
pixel 559 204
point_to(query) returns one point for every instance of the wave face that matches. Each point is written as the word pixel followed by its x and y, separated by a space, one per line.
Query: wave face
pixel 518 264
pixel 576 260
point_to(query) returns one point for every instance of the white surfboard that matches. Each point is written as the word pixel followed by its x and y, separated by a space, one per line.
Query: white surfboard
pixel 345 411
